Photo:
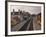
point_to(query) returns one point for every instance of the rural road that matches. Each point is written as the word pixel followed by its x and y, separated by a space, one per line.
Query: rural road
pixel 24 26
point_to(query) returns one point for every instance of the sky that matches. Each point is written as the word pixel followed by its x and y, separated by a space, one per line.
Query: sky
pixel 30 9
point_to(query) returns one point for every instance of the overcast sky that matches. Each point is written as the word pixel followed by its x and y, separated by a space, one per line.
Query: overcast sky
pixel 30 9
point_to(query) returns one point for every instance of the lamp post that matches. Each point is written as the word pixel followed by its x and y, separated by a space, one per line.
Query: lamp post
pixel 13 11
